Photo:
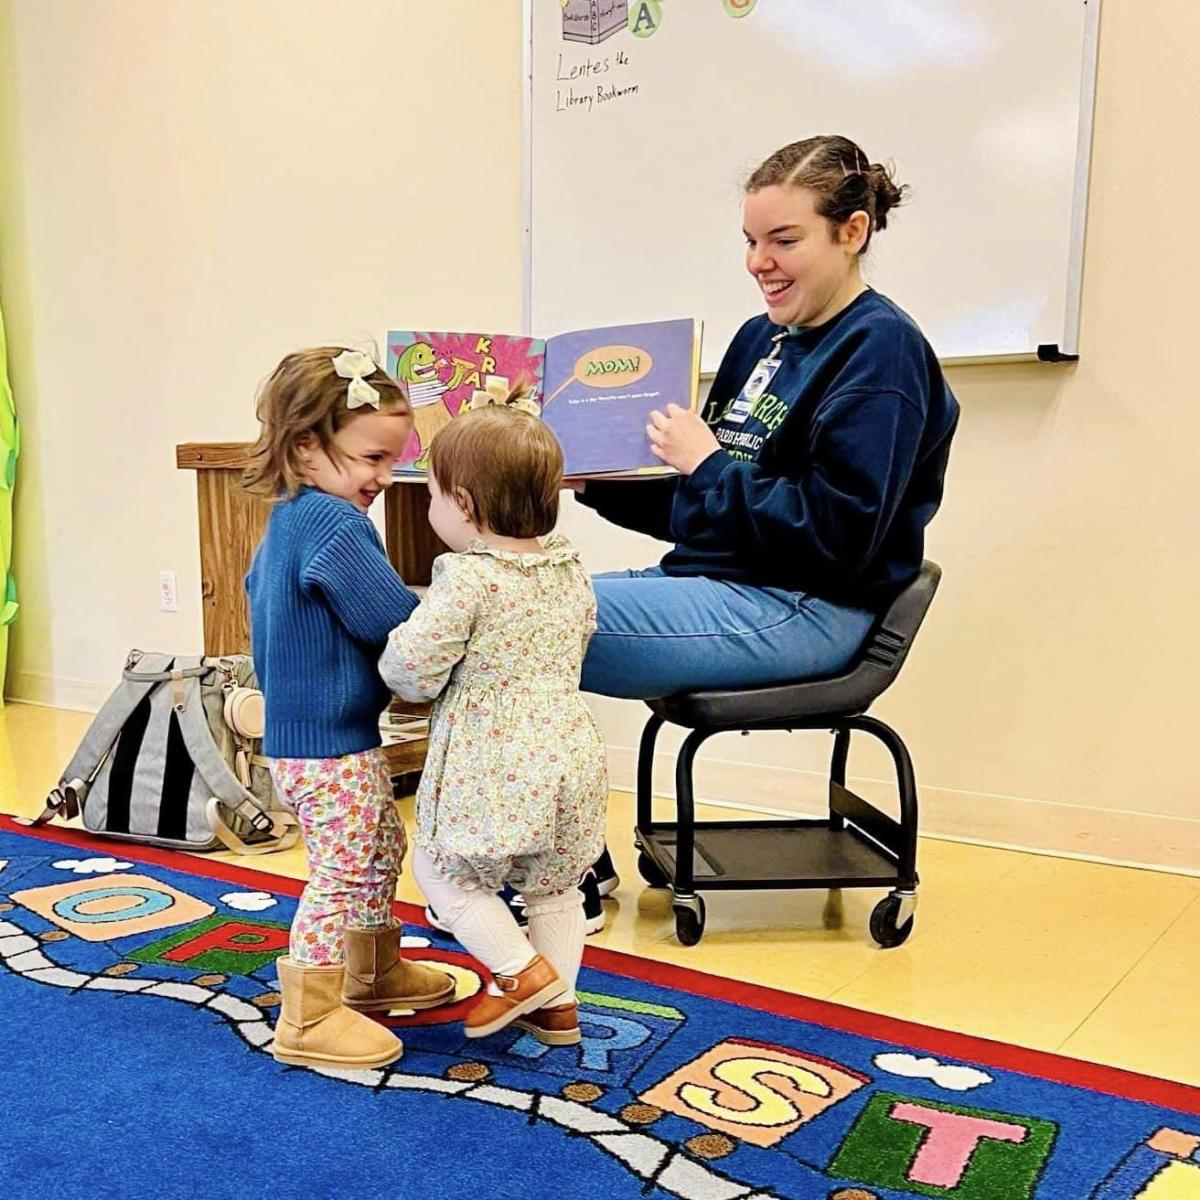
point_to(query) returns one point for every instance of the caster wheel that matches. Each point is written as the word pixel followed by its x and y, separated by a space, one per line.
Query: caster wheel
pixel 689 921
pixel 648 870
pixel 884 929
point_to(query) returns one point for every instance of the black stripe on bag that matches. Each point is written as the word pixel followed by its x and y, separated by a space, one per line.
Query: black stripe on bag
pixel 177 785
pixel 125 756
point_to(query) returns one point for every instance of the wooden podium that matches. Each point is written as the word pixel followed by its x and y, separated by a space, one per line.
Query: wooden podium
pixel 231 524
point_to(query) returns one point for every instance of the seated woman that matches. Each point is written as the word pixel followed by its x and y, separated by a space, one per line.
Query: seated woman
pixel 804 490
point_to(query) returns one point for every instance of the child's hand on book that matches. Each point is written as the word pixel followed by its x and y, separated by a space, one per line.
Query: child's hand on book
pixel 680 438
pixel 575 485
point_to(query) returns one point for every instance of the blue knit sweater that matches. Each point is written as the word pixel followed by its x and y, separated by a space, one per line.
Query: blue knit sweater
pixel 323 599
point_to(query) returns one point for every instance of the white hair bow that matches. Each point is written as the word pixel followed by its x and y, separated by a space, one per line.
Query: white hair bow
pixel 496 390
pixel 354 365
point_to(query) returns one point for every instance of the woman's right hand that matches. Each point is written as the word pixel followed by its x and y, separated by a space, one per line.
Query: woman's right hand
pixel 575 485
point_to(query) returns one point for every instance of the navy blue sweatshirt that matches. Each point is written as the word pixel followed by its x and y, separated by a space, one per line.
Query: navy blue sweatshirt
pixel 831 462
pixel 323 599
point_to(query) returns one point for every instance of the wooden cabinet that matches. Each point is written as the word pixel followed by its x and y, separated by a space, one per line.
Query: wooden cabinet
pixel 231 523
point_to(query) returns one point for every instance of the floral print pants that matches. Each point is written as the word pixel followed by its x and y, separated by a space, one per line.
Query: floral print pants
pixel 355 842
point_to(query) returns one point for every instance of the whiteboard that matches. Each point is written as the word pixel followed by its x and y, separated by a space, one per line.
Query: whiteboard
pixel 637 149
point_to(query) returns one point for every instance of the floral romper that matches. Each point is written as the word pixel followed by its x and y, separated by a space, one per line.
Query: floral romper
pixel 515 781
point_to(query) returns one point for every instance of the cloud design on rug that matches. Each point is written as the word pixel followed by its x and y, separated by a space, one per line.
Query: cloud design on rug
pixel 249 901
pixel 92 866
pixel 945 1075
pixel 414 941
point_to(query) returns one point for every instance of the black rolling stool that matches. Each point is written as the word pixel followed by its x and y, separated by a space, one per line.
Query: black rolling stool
pixel 856 846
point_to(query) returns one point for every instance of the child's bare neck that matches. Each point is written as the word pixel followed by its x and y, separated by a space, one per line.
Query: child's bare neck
pixel 514 545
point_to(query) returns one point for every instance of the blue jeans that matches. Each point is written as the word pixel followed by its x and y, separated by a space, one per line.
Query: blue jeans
pixel 659 634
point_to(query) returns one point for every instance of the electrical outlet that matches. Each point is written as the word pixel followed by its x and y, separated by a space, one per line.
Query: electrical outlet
pixel 168 597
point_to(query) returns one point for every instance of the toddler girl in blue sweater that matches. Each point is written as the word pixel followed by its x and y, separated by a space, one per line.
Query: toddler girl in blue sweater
pixel 323 598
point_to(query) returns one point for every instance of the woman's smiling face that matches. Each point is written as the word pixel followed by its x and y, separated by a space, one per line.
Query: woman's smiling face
pixel 806 269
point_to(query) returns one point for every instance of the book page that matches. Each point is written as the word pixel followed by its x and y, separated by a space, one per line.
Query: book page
pixel 602 384
pixel 446 373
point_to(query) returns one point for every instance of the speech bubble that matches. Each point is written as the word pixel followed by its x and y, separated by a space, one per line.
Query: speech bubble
pixel 613 366
pixel 606 367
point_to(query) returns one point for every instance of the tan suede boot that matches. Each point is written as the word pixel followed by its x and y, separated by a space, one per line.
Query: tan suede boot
pixel 377 977
pixel 315 1029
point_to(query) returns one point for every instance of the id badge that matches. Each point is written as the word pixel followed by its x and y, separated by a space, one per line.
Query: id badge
pixel 759 381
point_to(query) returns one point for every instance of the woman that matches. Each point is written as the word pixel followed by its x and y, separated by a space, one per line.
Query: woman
pixel 804 490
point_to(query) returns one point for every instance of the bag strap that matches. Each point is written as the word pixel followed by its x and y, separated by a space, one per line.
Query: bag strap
pixel 280 830
pixel 67 798
pixel 204 753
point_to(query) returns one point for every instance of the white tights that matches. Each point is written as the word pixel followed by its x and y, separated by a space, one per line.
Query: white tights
pixel 485 927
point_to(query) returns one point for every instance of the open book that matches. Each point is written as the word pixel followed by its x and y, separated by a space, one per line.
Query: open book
pixel 595 388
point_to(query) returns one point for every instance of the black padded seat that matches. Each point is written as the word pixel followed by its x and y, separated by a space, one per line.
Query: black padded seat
pixel 849 694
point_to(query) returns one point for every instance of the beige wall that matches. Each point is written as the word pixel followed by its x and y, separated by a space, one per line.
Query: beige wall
pixel 176 212
pixel 190 190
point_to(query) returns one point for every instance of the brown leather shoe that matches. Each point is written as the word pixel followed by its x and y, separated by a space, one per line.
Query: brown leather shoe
pixel 553 1025
pixel 521 993
pixel 378 978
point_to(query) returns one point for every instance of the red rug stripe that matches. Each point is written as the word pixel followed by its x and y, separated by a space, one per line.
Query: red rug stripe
pixel 1113 1081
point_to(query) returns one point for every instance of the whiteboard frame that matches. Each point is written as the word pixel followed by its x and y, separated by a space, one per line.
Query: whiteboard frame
pixel 1083 172
pixel 1068 350
pixel 527 167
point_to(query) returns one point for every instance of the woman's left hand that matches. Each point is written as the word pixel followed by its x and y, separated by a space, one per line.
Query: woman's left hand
pixel 680 438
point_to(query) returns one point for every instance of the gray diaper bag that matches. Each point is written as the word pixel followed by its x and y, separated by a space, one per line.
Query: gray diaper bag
pixel 174 759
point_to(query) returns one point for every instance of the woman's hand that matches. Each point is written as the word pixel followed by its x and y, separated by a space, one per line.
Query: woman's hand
pixel 680 438
pixel 575 485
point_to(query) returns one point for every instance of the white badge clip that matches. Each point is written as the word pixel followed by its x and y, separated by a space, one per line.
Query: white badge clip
pixel 758 382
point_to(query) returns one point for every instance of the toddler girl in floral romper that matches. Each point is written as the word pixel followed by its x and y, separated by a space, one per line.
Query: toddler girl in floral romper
pixel 514 785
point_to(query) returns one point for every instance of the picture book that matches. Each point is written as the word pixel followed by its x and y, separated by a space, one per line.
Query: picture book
pixel 595 388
